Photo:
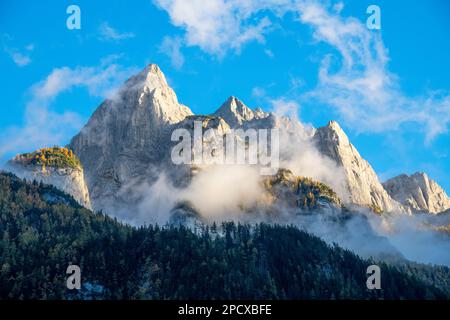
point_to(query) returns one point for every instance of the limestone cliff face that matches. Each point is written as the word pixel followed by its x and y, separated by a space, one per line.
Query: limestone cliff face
pixel 364 187
pixel 418 193
pixel 127 143
pixel 127 136
pixel 67 179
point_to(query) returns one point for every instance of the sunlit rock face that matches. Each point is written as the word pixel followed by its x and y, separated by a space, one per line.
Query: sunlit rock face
pixel 127 144
pixel 53 166
pixel 364 187
pixel 127 135
pixel 418 193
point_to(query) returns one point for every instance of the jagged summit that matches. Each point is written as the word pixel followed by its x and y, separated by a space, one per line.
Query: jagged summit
pixel 362 183
pixel 127 140
pixel 333 131
pixel 151 77
pixel 418 192
pixel 236 113
pixel 260 113
pixel 149 90
pixel 334 125
pixel 127 134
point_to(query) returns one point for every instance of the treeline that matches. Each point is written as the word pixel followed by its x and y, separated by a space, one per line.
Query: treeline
pixel 56 157
pixel 39 239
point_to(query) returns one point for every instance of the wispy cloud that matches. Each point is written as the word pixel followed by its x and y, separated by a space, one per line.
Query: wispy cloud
pixel 269 53
pixel 20 57
pixel 216 26
pixel 258 92
pixel 110 34
pixel 338 6
pixel 100 81
pixel 356 82
pixel 44 127
pixel 171 46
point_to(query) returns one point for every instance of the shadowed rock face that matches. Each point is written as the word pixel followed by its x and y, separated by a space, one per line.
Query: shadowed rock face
pixel 418 193
pixel 363 185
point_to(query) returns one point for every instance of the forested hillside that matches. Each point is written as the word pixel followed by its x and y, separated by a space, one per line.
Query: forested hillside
pixel 42 231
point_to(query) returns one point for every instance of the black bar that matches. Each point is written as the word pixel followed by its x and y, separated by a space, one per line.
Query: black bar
pixel 258 310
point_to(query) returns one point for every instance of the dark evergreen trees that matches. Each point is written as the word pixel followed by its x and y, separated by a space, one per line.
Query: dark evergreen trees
pixel 42 231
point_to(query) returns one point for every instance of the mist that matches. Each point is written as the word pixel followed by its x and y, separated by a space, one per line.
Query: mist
pixel 236 193
pixel 218 191
pixel 414 237
pixel 231 193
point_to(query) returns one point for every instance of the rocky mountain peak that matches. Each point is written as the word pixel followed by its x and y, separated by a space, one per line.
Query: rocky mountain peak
pixel 148 90
pixel 418 192
pixel 363 185
pixel 128 134
pixel 150 78
pixel 235 112
pixel 259 113
pixel 127 140
pixel 333 132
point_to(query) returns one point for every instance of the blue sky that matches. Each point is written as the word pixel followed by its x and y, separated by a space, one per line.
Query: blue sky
pixel 388 88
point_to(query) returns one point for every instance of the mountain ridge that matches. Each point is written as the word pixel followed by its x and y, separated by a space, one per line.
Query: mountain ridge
pixel 361 180
pixel 418 193
pixel 236 113
pixel 126 143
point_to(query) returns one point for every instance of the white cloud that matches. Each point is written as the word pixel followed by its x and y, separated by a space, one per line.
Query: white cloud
pixel 100 81
pixel 109 33
pixel 171 47
pixel 20 58
pixel 337 7
pixel 41 128
pixel 258 92
pixel 217 26
pixel 364 93
pixel 284 107
pixel 44 127
pixel 356 82
pixel 217 191
pixel 296 83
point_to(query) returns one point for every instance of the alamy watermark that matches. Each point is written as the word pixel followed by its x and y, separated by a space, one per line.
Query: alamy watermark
pixel 74 280
pixel 259 147
pixel 373 22
pixel 374 280
pixel 73 21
